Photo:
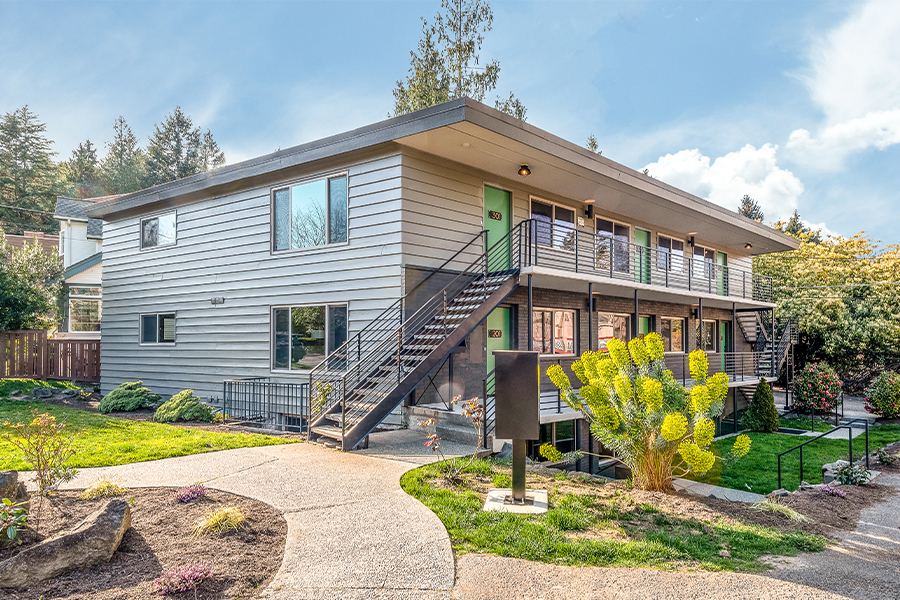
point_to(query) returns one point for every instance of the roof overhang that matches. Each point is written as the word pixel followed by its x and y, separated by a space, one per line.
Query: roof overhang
pixel 476 135
pixel 83 265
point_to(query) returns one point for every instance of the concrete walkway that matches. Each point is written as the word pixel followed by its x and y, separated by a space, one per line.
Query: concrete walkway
pixel 352 531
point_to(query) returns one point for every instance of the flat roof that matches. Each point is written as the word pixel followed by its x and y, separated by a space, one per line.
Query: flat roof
pixel 482 137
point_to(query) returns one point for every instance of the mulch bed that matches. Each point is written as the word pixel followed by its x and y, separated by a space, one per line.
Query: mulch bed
pixel 243 562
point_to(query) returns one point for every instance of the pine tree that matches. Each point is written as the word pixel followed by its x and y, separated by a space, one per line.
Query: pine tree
pixel 761 415
pixel 593 145
pixel 82 172
pixel 751 209
pixel 29 179
pixel 124 168
pixel 796 228
pixel 177 149
pixel 445 66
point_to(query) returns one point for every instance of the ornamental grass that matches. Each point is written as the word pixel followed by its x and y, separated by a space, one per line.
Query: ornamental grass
pixel 104 488
pixel 228 518
pixel 637 409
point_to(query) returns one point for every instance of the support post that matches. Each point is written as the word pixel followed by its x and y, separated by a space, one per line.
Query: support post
pixel 733 327
pixel 530 316
pixel 637 316
pixel 774 342
pixel 518 470
pixel 590 316
pixel 700 323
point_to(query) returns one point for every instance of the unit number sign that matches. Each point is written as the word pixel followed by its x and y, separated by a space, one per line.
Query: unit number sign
pixel 495 333
pixel 495 215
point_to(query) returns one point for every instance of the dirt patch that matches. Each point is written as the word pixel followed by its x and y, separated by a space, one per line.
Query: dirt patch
pixel 243 562
pixel 636 510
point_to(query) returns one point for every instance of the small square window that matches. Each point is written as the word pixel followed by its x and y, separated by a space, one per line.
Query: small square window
pixel 158 328
pixel 158 231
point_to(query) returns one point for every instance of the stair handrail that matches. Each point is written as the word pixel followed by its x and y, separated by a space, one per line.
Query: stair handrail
pixel 395 338
pixel 848 426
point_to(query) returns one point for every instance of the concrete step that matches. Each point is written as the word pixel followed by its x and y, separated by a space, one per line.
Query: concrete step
pixel 328 431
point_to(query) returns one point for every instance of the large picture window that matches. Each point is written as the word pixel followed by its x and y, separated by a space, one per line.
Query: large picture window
pixel 85 306
pixel 158 328
pixel 554 225
pixel 304 335
pixel 309 214
pixel 611 326
pixel 158 231
pixel 553 331
pixel 672 331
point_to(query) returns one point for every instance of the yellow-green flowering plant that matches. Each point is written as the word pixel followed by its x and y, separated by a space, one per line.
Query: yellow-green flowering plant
pixel 637 409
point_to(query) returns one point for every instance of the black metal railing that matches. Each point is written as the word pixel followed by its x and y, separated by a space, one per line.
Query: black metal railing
pixel 739 366
pixel 262 403
pixel 383 364
pixel 556 246
pixel 488 385
pixel 848 426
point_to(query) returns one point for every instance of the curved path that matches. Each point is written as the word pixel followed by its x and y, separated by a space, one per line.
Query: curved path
pixel 353 533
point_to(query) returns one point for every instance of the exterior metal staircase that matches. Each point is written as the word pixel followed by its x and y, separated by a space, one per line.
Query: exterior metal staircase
pixel 358 385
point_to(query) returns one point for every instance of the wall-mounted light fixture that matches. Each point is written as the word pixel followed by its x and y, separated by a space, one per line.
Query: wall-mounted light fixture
pixel 748 246
pixel 691 241
pixel 524 171
pixel 589 209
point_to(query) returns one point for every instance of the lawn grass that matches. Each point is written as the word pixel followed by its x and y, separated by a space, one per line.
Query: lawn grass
pixel 106 441
pixel 758 471
pixel 805 424
pixel 8 386
pixel 590 528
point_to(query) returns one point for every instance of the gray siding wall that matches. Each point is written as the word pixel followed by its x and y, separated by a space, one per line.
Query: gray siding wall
pixel 223 249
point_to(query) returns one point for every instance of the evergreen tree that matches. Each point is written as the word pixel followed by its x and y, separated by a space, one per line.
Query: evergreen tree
pixel 82 172
pixel 795 227
pixel 445 66
pixel 177 149
pixel 751 209
pixel 592 144
pixel 124 168
pixel 761 415
pixel 29 179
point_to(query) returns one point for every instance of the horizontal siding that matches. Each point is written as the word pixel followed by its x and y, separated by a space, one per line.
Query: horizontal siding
pixel 223 250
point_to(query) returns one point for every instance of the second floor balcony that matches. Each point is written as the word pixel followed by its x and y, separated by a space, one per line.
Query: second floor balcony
pixel 553 246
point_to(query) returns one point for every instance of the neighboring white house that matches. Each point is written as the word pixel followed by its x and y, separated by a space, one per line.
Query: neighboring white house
pixel 353 271
pixel 81 249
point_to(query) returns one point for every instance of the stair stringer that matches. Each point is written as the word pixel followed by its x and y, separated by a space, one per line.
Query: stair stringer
pixel 374 417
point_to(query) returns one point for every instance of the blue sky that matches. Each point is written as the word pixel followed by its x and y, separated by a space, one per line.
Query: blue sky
pixel 796 103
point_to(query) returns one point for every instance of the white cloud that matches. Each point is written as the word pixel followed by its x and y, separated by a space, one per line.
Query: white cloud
pixel 725 181
pixel 855 79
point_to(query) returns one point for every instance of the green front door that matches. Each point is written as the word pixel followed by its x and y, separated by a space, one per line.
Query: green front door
pixel 499 333
pixel 722 273
pixel 724 340
pixel 497 220
pixel 642 256
pixel 643 325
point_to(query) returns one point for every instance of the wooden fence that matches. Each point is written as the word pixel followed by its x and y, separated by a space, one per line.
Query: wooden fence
pixel 30 354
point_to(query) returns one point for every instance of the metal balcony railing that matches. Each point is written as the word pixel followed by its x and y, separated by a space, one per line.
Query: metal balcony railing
pixel 558 246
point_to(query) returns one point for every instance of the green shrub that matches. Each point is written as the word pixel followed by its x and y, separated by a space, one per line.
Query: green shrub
pixel 883 396
pixel 128 397
pixel 183 406
pixel 817 389
pixel 761 415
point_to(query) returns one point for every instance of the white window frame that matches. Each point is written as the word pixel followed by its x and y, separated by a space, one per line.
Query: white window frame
pixel 553 245
pixel 628 316
pixel 98 298
pixel 174 242
pixel 669 253
pixel 328 306
pixel 715 336
pixel 684 332
pixel 287 186
pixel 141 341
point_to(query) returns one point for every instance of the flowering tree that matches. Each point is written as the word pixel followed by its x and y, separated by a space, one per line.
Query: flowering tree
pixel 817 389
pixel 639 411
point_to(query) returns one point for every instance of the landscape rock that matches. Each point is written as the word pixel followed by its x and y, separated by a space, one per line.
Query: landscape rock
pixel 16 393
pixel 505 451
pixel 779 493
pixel 829 471
pixel 42 392
pixel 10 486
pixel 70 393
pixel 92 541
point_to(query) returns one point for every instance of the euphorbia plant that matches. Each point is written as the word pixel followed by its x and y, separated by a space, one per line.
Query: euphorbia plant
pixel 637 409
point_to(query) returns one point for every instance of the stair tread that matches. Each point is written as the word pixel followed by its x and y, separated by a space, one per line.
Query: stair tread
pixel 328 431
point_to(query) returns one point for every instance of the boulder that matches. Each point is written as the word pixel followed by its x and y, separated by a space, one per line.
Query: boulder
pixel 16 393
pixel 829 471
pixel 42 392
pixel 779 493
pixel 69 393
pixel 92 541
pixel 9 485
